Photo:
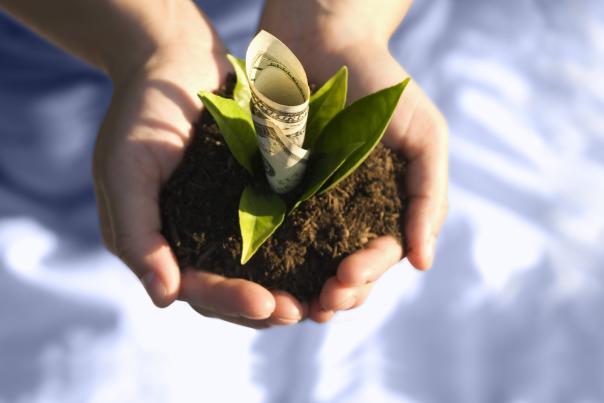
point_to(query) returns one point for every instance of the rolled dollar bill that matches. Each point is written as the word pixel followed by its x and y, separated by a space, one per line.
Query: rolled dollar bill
pixel 279 106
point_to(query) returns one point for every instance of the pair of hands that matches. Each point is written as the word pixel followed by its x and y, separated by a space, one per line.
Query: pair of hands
pixel 149 124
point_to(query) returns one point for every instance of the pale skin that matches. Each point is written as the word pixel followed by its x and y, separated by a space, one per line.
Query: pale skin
pixel 159 54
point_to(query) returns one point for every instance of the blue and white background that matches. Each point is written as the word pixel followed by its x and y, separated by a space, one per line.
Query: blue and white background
pixel 513 311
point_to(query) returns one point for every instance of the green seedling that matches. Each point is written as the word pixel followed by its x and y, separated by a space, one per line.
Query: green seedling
pixel 340 139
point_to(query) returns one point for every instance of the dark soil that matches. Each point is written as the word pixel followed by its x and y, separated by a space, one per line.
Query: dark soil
pixel 199 207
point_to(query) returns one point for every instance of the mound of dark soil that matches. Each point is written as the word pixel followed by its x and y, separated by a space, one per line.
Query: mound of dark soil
pixel 199 207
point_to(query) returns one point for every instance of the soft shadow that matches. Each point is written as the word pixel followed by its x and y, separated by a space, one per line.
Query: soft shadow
pixel 458 341
pixel 34 322
pixel 287 364
pixel 420 339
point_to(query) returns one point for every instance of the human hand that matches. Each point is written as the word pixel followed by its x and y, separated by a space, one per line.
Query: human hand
pixel 419 132
pixel 140 143
pixel 326 35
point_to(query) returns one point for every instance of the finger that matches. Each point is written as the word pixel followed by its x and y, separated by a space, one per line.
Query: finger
pixel 151 259
pixel 317 313
pixel 371 262
pixel 337 297
pixel 132 204
pixel 253 324
pixel 362 292
pixel 426 186
pixel 226 296
pixel 419 131
pixel 424 219
pixel 288 310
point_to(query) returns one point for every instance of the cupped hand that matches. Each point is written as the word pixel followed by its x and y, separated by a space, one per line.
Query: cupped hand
pixel 141 141
pixel 419 132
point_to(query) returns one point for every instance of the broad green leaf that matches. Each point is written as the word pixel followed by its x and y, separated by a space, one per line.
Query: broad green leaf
pixel 325 104
pixel 242 93
pixel 322 166
pixel 260 214
pixel 236 127
pixel 364 121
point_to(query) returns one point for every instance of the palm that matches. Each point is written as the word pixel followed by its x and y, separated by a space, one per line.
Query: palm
pixel 418 131
pixel 141 142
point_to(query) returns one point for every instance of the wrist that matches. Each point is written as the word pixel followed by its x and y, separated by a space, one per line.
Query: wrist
pixel 176 33
pixel 332 25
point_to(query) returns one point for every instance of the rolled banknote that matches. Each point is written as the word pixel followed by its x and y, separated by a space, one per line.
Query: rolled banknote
pixel 279 107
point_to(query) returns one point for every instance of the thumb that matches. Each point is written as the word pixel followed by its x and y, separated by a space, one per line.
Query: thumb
pixel 131 205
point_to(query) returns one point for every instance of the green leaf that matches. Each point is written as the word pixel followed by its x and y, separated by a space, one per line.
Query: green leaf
pixel 236 127
pixel 324 105
pixel 242 93
pixel 364 121
pixel 321 167
pixel 260 214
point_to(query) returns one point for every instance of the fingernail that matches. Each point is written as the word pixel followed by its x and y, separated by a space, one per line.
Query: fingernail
pixel 328 315
pixel 347 304
pixel 294 315
pixel 328 311
pixel 153 285
pixel 254 316
pixel 286 321
pixel 263 311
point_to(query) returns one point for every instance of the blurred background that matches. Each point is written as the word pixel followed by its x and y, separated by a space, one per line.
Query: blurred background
pixel 513 310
